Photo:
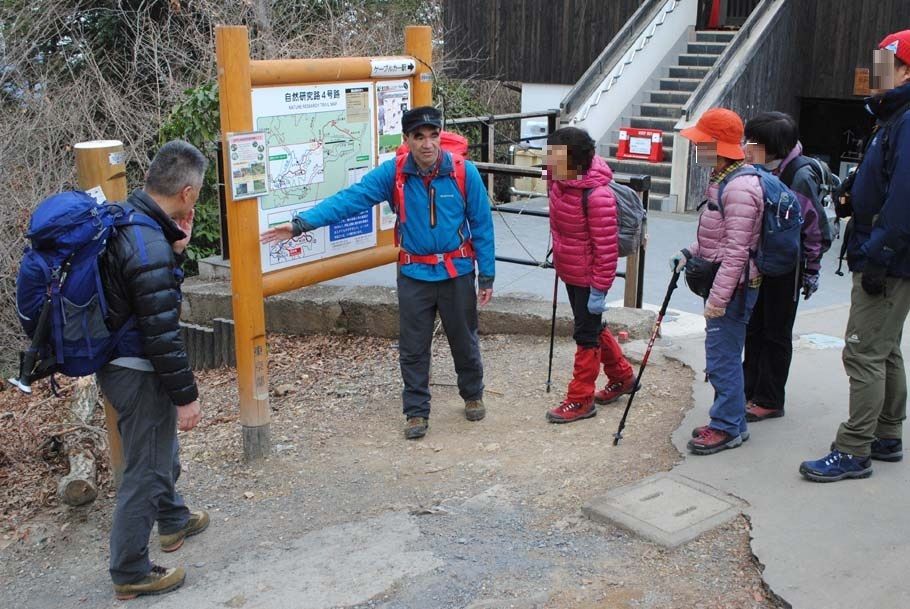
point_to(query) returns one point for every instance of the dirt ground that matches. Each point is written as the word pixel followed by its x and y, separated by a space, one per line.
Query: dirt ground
pixel 497 502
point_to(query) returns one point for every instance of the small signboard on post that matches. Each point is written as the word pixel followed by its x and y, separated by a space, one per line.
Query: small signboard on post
pixel 641 144
pixel 248 173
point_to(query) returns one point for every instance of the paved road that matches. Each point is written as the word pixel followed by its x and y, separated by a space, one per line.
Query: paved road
pixel 527 237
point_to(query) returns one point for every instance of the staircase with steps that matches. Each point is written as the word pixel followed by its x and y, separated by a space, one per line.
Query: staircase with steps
pixel 664 109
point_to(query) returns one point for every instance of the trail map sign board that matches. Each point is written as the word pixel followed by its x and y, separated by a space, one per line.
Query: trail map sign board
pixel 320 141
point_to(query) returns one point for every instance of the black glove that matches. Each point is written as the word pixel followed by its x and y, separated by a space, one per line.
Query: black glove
pixel 873 279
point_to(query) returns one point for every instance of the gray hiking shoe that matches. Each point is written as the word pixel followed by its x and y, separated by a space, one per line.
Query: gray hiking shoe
pixel 416 427
pixel 198 522
pixel 158 581
pixel 474 410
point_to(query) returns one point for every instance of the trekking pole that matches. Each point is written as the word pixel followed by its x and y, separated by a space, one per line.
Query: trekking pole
pixel 552 329
pixel 644 361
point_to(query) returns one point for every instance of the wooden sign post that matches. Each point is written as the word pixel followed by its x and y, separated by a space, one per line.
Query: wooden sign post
pixel 237 76
pixel 101 163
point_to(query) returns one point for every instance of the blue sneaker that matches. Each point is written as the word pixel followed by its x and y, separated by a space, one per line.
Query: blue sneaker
pixel 836 466
pixel 887 449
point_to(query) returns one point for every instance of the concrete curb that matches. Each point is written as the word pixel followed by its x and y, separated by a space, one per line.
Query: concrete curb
pixel 373 311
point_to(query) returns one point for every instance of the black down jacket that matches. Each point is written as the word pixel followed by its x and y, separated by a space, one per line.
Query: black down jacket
pixel 141 275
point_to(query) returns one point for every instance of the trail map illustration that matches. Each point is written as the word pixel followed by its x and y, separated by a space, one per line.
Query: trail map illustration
pixel 320 141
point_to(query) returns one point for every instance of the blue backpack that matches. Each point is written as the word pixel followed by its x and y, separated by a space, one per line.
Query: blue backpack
pixel 780 244
pixel 59 296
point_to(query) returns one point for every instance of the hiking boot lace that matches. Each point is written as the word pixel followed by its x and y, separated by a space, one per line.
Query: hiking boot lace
pixel 158 571
pixel 614 386
pixel 568 406
pixel 833 458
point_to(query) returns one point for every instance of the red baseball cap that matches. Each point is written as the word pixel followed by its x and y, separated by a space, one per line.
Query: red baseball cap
pixel 899 44
pixel 722 126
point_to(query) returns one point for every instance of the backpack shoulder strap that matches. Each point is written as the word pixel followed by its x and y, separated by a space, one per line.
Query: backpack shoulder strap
pixel 459 175
pixel 398 187
pixel 793 168
pixel 745 170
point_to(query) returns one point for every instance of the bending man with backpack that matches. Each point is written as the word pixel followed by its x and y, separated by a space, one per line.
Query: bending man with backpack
pixel 584 226
pixel 879 258
pixel 720 268
pixel 444 225
pixel 773 142
pixel 149 381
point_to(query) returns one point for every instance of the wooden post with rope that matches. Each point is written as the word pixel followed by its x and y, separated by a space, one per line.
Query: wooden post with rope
pixel 102 163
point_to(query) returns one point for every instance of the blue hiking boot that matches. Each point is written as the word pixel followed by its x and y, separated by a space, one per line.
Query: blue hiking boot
pixel 887 450
pixel 836 466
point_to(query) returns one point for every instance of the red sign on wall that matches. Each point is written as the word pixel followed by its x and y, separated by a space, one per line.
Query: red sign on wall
pixel 641 144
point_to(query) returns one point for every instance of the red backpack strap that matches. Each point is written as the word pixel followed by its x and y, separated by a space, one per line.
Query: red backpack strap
pixel 398 189
pixel 397 201
pixel 458 174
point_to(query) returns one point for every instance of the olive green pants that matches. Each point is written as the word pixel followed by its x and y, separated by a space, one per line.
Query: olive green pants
pixel 873 361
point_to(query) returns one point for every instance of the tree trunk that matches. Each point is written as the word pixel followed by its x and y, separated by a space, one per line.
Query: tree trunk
pixel 79 487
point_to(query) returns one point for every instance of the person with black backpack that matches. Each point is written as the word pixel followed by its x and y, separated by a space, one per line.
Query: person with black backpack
pixel 149 381
pixel 585 227
pixel 879 258
pixel 772 141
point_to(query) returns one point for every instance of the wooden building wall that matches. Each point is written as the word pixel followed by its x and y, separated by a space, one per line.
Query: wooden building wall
pixel 845 33
pixel 539 41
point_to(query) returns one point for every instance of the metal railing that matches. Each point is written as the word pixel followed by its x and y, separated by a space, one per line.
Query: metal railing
pixel 635 263
pixel 620 52
pixel 720 66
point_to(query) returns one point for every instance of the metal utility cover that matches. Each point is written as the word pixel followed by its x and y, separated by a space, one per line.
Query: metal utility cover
pixel 667 509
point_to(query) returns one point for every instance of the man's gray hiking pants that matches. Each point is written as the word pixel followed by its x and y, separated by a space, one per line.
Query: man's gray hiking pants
pixel 147 420
pixel 418 302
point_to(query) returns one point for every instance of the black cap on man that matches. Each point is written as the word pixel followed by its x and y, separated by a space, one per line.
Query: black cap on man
pixel 419 117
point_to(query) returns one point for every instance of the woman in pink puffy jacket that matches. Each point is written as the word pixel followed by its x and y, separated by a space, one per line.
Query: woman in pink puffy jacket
pixel 725 239
pixel 583 225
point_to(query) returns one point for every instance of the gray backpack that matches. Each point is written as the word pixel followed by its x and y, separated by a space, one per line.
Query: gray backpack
pixel 630 216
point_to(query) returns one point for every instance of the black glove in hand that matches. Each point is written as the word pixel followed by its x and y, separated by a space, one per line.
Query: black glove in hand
pixel 873 279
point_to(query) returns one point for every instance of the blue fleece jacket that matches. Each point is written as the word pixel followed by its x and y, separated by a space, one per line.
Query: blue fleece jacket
pixel 881 191
pixel 454 220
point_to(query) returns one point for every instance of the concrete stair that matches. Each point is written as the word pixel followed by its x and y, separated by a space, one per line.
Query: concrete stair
pixel 664 107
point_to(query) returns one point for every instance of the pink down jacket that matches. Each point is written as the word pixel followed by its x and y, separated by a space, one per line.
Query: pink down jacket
pixel 585 248
pixel 728 239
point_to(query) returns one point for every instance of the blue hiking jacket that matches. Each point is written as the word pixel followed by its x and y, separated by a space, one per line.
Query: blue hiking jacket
pixel 456 220
pixel 881 193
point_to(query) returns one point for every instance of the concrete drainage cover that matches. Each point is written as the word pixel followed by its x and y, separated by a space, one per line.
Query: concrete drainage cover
pixel 666 509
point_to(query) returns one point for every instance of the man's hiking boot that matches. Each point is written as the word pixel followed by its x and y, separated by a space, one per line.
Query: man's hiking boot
pixel 698 430
pixel 474 410
pixel 198 522
pixel 158 581
pixel 613 391
pixel 836 466
pixel 755 413
pixel 887 449
pixel 571 411
pixel 416 427
pixel 710 441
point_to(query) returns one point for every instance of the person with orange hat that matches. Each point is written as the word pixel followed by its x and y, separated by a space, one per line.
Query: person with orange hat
pixel 720 269
pixel 879 258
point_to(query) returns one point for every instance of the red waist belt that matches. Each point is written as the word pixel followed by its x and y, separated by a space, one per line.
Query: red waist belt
pixel 465 251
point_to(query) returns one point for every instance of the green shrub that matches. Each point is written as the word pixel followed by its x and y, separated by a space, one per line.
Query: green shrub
pixel 196 119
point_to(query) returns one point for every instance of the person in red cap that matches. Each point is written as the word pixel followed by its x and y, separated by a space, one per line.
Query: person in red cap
pixel 719 268
pixel 879 258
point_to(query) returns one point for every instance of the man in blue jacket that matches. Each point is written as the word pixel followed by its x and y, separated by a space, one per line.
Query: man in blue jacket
pixel 879 258
pixel 443 231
